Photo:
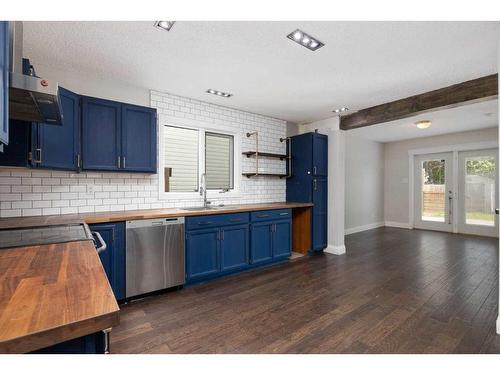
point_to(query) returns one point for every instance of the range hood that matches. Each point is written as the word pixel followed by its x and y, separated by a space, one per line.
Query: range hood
pixel 31 98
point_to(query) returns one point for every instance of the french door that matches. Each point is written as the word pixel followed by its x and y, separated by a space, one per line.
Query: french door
pixel 478 193
pixel 457 192
pixel 434 192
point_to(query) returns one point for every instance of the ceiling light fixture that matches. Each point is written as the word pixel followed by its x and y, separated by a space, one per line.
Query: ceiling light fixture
pixel 340 110
pixel 423 124
pixel 305 40
pixel 219 93
pixel 164 25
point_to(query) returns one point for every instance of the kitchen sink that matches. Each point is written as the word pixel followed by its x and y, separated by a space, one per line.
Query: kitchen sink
pixel 203 208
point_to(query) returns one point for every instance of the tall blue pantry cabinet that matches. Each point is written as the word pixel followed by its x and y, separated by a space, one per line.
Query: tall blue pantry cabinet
pixel 308 181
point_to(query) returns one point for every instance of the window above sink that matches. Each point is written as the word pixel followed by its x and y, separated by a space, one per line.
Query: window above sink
pixel 188 151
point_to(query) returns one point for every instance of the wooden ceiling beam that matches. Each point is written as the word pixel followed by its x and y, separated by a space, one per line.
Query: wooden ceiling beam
pixel 473 91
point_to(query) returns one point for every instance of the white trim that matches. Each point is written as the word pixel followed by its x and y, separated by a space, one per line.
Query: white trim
pixel 411 187
pixel 498 325
pixel 394 224
pixel 335 250
pixel 362 228
pixel 456 147
pixel 454 184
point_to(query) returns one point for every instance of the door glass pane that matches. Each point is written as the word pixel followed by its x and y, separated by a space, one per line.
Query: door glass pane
pixel 433 190
pixel 480 190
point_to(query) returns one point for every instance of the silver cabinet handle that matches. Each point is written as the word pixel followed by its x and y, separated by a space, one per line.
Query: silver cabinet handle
pixel 123 161
pixel 263 215
pixel 314 169
pixel 283 213
pixel 119 162
pixel 38 152
pixel 103 245
pixel 78 161
pixel 315 184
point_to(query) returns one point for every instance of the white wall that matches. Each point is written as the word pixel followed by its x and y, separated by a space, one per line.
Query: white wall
pixel 27 192
pixel 396 176
pixel 364 184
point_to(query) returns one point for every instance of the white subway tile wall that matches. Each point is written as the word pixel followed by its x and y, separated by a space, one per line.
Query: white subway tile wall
pixel 29 192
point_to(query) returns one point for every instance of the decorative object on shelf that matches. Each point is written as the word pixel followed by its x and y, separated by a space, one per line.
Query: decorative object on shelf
pixel 257 154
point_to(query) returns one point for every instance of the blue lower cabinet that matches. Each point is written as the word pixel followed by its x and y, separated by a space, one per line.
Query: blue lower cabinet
pixel 282 239
pixel 202 253
pixel 261 243
pixel 234 247
pixel 90 344
pixel 113 258
pixel 216 245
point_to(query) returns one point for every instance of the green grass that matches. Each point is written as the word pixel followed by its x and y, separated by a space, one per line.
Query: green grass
pixel 480 216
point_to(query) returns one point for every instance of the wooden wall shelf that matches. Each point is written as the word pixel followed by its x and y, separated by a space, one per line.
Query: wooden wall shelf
pixel 252 174
pixel 265 154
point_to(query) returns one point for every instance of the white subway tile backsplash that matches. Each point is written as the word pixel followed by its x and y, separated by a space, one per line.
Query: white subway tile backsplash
pixel 28 192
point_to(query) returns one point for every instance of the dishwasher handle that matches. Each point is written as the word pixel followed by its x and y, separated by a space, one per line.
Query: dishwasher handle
pixel 103 245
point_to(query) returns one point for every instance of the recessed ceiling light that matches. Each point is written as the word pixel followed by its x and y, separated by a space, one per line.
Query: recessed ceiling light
pixel 305 40
pixel 219 93
pixel 423 124
pixel 341 110
pixel 164 25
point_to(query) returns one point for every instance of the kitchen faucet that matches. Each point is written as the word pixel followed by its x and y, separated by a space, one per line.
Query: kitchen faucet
pixel 203 189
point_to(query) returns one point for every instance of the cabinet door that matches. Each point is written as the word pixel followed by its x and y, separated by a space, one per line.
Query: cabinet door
pixel 138 138
pixel 234 247
pixel 15 154
pixel 101 138
pixel 320 155
pixel 298 187
pixel 320 211
pixel 261 243
pixel 113 258
pixel 4 82
pixel 59 146
pixel 202 253
pixel 282 239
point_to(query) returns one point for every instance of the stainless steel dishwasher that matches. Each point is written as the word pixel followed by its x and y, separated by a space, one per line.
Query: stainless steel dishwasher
pixel 155 255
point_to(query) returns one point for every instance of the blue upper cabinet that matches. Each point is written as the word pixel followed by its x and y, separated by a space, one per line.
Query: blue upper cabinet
pixel 101 134
pixel 58 147
pixel 4 82
pixel 320 149
pixel 117 136
pixel 138 138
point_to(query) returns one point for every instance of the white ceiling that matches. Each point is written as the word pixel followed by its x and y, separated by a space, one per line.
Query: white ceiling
pixel 362 64
pixel 468 117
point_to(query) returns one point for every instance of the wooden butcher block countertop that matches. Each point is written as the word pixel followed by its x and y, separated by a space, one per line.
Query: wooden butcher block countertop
pixel 52 293
pixel 106 217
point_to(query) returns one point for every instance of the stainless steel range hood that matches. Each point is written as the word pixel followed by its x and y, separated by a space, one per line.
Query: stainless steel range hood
pixel 31 98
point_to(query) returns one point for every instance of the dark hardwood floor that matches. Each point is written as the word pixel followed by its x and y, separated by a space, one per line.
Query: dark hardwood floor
pixel 395 291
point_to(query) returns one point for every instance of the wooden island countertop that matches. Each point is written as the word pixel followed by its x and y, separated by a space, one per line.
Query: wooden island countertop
pixel 52 293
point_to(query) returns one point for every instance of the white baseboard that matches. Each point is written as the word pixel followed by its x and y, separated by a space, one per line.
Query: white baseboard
pixel 362 228
pixel 395 224
pixel 336 250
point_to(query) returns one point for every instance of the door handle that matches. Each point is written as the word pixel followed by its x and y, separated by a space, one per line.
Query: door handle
pixel 39 154
pixel 497 211
pixel 119 162
pixel 315 184
pixel 123 162
pixel 450 208
pixel 314 170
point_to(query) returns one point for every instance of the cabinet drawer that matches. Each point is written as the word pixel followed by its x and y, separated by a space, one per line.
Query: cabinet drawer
pixel 272 215
pixel 209 221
